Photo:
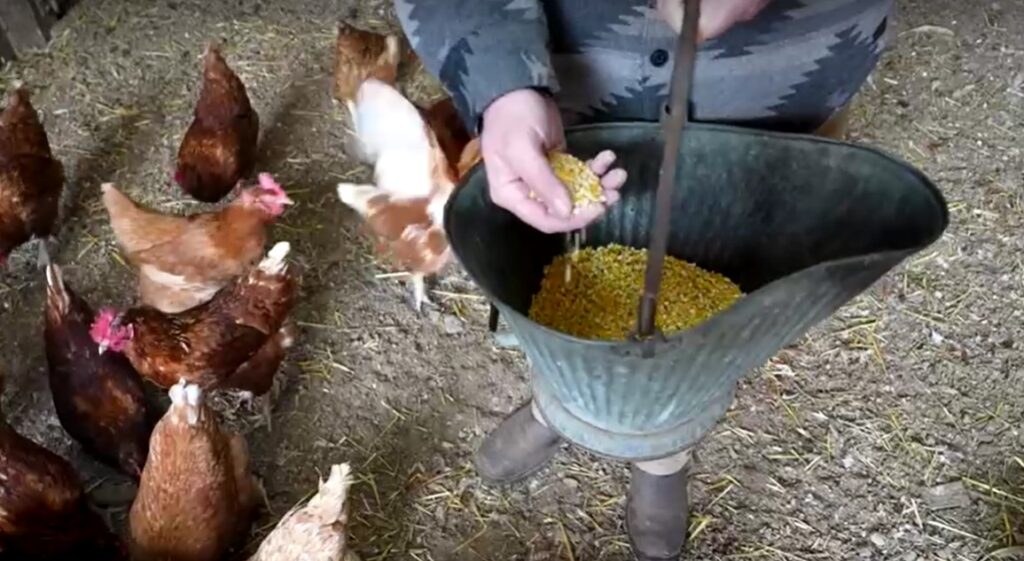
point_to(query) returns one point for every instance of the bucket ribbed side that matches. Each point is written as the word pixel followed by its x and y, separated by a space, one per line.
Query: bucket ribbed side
pixel 634 395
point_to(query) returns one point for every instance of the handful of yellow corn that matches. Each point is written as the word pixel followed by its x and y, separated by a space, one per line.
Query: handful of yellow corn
pixel 583 184
pixel 600 300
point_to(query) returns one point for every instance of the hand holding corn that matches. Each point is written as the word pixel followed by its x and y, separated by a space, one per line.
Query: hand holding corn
pixel 522 139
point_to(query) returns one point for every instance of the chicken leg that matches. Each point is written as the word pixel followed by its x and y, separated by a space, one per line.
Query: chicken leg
pixel 47 246
pixel 249 401
pixel 419 293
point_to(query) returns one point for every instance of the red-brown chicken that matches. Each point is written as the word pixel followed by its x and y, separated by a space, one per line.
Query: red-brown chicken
pixel 31 179
pixel 452 136
pixel 197 496
pixel 220 146
pixel 257 375
pixel 44 514
pixel 470 157
pixel 184 260
pixel 207 344
pixel 99 398
pixel 361 54
pixel 413 174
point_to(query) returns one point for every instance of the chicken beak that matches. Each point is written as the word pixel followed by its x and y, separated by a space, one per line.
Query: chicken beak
pixel 103 348
pixel 287 200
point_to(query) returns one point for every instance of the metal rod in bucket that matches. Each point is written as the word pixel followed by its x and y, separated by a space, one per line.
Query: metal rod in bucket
pixel 679 105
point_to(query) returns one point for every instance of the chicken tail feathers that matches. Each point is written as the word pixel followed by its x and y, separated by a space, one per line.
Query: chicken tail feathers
pixel 18 93
pixel 274 263
pixel 212 53
pixel 287 335
pixel 56 293
pixel 116 201
pixel 189 397
pixel 44 258
pixel 358 196
pixel 393 50
pixel 328 505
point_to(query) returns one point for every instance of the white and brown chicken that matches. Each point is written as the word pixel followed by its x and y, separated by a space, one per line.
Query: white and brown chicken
pixel 413 177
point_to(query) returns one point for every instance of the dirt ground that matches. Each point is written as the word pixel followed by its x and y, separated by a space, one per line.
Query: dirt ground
pixel 891 432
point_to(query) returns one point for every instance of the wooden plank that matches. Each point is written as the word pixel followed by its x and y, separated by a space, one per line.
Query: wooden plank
pixel 28 24
pixel 22 26
pixel 53 10
pixel 46 16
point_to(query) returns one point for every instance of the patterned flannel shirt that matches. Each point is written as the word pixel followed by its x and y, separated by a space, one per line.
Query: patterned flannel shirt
pixel 790 68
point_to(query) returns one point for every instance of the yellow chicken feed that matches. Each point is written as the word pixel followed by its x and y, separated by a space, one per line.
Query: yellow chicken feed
pixel 583 184
pixel 600 299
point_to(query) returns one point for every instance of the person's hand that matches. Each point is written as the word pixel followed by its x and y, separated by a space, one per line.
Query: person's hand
pixel 519 128
pixel 716 16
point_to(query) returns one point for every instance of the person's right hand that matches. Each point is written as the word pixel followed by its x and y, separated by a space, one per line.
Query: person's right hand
pixel 716 16
pixel 519 128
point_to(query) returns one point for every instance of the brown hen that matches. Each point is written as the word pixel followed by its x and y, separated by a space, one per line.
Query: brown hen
pixel 207 344
pixel 184 260
pixel 220 146
pixel 197 496
pixel 99 398
pixel 257 375
pixel 31 179
pixel 361 54
pixel 452 136
pixel 44 514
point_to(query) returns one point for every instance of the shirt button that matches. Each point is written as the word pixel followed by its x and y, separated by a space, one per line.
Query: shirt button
pixel 659 57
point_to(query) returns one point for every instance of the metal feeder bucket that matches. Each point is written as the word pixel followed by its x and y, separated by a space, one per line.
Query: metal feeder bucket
pixel 802 224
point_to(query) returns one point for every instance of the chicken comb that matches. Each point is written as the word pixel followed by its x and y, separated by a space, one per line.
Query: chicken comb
pixel 268 183
pixel 102 324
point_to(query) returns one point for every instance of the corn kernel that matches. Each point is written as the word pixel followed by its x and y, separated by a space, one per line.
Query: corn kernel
pixel 602 298
pixel 583 184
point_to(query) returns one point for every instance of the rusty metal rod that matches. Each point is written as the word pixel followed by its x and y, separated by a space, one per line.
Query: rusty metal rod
pixel 679 105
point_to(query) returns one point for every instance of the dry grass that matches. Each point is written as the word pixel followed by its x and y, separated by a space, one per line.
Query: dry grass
pixel 828 452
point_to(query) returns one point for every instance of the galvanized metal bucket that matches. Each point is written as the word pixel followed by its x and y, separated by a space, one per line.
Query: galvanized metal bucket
pixel 802 223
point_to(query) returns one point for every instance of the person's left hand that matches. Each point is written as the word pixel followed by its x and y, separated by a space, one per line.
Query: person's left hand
pixel 716 16
pixel 519 128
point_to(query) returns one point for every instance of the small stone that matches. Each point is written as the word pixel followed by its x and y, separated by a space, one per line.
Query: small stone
pixel 947 495
pixel 571 483
pixel 453 325
pixel 909 556
pixel 878 540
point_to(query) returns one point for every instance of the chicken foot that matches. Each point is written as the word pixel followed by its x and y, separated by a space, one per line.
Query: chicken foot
pixel 419 292
pixel 249 400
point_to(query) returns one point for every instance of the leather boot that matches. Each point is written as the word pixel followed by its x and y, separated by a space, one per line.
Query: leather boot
pixel 657 515
pixel 516 449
